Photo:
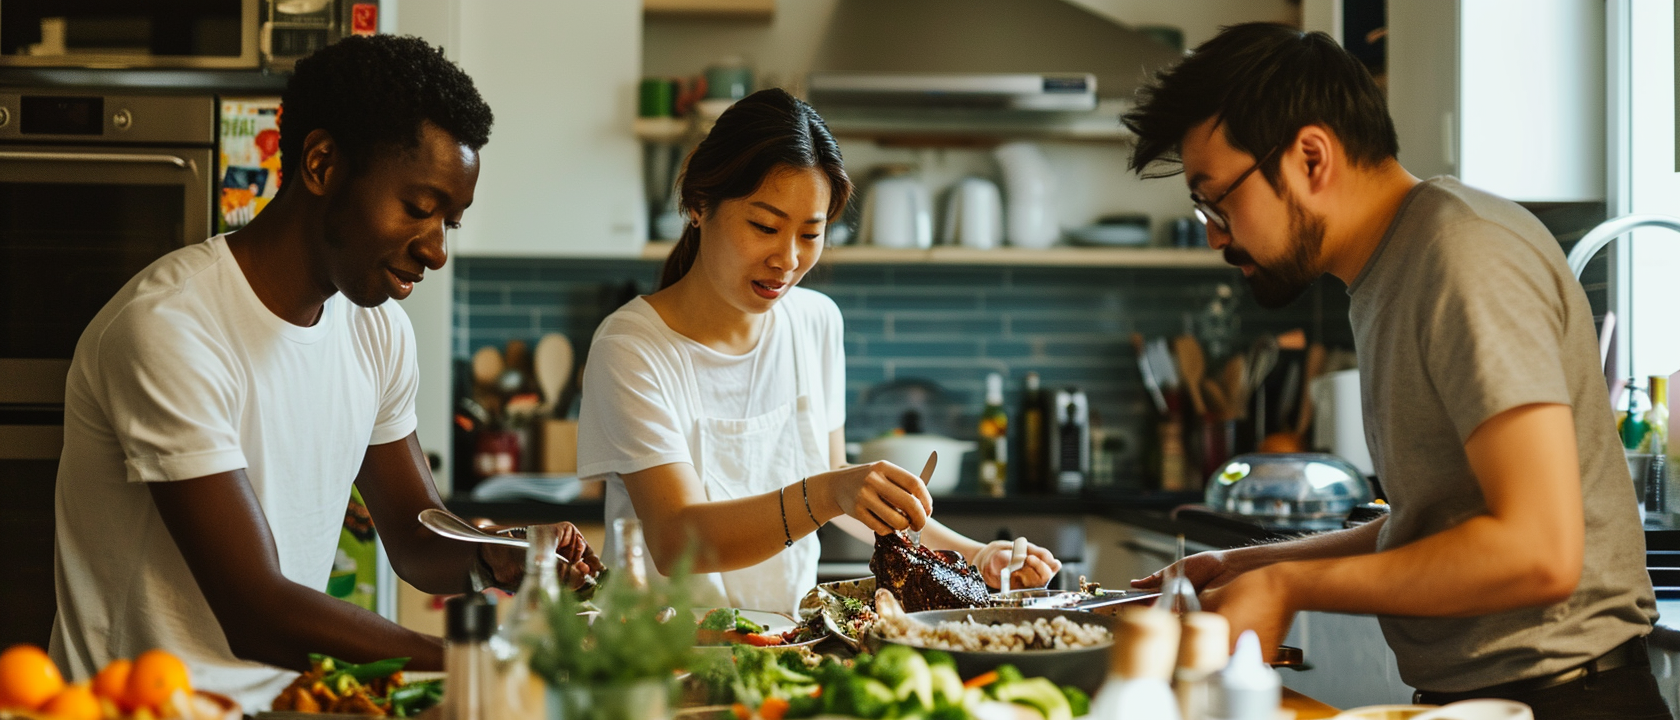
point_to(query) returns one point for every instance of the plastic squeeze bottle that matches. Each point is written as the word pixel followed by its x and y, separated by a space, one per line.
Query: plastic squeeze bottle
pixel 1248 689
pixel 1138 686
pixel 1202 645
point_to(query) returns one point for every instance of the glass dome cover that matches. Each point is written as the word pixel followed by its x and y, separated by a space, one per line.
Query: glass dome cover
pixel 1290 487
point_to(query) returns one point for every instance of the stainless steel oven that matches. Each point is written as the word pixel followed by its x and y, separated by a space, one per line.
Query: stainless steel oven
pixel 93 188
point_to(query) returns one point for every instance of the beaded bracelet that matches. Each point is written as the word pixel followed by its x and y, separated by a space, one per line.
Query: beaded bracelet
pixel 785 532
pixel 807 493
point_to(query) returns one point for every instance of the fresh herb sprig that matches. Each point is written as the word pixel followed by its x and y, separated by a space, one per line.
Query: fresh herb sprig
pixel 625 642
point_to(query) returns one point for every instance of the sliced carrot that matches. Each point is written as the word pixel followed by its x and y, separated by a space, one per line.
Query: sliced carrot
pixel 773 708
pixel 817 693
pixel 741 712
pixel 981 680
pixel 758 640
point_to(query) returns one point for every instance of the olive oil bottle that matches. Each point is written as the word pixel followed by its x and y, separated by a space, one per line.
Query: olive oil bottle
pixel 994 439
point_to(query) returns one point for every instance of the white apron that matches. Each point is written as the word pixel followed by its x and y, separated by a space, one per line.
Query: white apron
pixel 753 456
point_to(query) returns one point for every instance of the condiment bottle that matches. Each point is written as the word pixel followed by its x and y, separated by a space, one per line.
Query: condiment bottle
pixel 1203 640
pixel 518 692
pixel 1034 459
pixel 470 621
pixel 1248 689
pixel 994 439
pixel 1145 650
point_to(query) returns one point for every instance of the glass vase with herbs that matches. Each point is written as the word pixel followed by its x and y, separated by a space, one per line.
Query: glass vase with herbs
pixel 617 656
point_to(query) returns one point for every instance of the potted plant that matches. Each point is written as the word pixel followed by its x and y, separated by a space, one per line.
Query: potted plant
pixel 618 658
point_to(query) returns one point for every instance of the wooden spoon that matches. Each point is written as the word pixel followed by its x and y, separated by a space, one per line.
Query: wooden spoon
pixel 1191 366
pixel 1235 380
pixel 554 358
pixel 1315 368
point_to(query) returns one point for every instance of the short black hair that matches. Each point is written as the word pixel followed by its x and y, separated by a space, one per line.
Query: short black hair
pixel 373 93
pixel 1265 82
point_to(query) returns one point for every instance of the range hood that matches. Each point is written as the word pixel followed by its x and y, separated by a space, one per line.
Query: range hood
pixel 1063 92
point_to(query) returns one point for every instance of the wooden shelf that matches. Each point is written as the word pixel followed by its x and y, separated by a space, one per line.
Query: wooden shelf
pixel 727 9
pixel 1145 257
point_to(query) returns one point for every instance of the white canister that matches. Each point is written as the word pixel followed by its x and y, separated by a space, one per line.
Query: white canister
pixel 974 214
pixel 1029 190
pixel 898 214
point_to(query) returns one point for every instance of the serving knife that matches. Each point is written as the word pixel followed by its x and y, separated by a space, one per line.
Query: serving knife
pixel 915 536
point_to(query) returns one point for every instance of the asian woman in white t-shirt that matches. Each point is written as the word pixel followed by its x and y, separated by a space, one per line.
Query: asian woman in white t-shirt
pixel 715 407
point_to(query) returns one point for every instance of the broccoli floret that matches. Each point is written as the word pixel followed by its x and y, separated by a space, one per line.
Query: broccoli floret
pixel 947 685
pixel 1008 674
pixel 1078 702
pixel 858 697
pixel 949 712
pixel 936 658
pixel 1039 694
pixel 803 706
pixel 906 672
pixel 721 620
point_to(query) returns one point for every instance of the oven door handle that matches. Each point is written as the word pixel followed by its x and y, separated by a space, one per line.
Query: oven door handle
pixel 177 161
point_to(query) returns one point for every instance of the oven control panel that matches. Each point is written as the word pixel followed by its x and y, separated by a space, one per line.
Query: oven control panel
pixel 66 117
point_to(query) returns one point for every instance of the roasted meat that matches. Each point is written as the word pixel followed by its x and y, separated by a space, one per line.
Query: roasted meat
pixel 924 579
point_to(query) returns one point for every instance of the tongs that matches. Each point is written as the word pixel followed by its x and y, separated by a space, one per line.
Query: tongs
pixel 451 526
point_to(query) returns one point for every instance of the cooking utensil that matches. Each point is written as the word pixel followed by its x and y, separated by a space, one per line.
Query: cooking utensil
pixel 1084 668
pixel 1217 406
pixel 487 366
pixel 1191 366
pixel 449 525
pixel 1161 361
pixel 1315 368
pixel 1235 381
pixel 1262 359
pixel 1298 490
pixel 553 366
pixel 1149 380
pixel 1017 560
pixel 915 536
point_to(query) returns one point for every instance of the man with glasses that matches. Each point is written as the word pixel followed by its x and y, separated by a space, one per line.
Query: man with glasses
pixel 1512 564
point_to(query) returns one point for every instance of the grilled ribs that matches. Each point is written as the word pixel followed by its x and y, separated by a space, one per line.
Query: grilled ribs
pixel 924 579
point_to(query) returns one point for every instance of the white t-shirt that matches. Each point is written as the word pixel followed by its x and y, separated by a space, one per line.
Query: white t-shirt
pixel 185 373
pixel 641 409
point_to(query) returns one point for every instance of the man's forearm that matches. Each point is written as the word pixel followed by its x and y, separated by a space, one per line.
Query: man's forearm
pixel 1361 540
pixel 433 564
pixel 1476 568
pixel 283 626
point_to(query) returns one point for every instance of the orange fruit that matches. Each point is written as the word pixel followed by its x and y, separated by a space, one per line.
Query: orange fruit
pixel 28 678
pixel 75 702
pixel 156 676
pixel 112 682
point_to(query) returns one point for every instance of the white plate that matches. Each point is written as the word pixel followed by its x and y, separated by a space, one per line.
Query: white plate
pixel 773 623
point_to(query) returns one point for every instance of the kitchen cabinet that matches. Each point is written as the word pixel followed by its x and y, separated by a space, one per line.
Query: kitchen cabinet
pixel 1507 95
pixel 1349 663
pixel 1118 553
pixel 562 173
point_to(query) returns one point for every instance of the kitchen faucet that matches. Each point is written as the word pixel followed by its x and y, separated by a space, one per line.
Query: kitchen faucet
pixel 1600 236
pixel 1610 230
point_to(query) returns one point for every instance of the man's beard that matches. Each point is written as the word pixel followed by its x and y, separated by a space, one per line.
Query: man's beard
pixel 1279 284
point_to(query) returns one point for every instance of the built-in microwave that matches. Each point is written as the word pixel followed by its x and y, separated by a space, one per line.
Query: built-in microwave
pixel 218 34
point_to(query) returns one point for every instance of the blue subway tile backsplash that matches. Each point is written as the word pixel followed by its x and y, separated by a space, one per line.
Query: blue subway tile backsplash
pixel 949 324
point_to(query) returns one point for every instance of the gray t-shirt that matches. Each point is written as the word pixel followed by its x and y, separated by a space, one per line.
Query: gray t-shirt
pixel 1467 309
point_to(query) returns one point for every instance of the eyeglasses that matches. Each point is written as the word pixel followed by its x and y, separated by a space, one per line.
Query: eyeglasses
pixel 1205 210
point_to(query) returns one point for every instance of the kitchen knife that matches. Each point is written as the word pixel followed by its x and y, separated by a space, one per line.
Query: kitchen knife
pixel 915 536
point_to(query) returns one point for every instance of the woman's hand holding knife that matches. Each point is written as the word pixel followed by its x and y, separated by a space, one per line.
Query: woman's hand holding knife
pixel 883 496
